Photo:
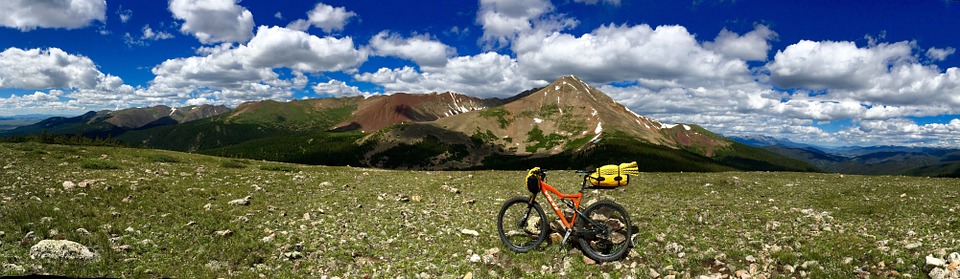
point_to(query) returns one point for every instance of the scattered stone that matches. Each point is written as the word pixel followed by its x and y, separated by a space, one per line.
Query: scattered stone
pixel 847 260
pixel 475 258
pixel 216 265
pixel 469 275
pixel 223 233
pixel 588 260
pixel 243 201
pixel 128 199
pixel 80 231
pixel 207 207
pixel 402 198
pixel 935 262
pixel 416 198
pixel 469 202
pixel 61 249
pixel 743 274
pixel 293 255
pixel 67 185
pixel 53 232
pixel 914 245
pixel 469 232
pixel 555 238
pixel 450 189
pixel 306 216
pixel 122 248
pixel 269 238
pixel 653 273
pixel 751 258
pixel 14 268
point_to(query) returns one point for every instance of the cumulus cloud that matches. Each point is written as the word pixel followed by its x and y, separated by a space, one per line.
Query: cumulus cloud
pixel 421 49
pixel 327 18
pixel 484 75
pixel 504 20
pixel 213 21
pixel 939 54
pixel 27 15
pixel 338 88
pixel 74 79
pixel 835 65
pixel 657 57
pixel 247 72
pixel 752 46
pixel 148 35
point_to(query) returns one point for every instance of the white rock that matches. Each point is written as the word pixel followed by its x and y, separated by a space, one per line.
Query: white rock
pixel 914 245
pixel 223 233
pixel 14 268
pixel 475 258
pixel 67 185
pixel 934 261
pixel 243 201
pixel 61 249
pixel 269 238
pixel 469 232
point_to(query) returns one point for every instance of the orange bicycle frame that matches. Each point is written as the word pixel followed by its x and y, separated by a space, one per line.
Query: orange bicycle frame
pixel 546 188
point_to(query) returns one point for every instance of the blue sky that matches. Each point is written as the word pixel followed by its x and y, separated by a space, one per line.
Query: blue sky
pixel 824 72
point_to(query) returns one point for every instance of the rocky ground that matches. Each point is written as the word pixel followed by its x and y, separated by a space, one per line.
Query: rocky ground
pixel 92 212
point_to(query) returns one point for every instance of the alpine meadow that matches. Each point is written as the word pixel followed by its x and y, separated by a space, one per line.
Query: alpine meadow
pixel 335 139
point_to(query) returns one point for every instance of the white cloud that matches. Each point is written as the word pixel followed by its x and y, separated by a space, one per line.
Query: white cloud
pixel 940 54
pixel 64 76
pixel 835 65
pixel 422 49
pixel 213 21
pixel 232 75
pixel 34 69
pixel 124 14
pixel 504 20
pixel 594 2
pixel 752 46
pixel 27 15
pixel 338 88
pixel 327 18
pixel 483 75
pixel 665 56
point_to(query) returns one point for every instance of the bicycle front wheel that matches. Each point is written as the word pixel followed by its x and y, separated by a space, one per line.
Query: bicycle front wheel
pixel 522 226
pixel 611 229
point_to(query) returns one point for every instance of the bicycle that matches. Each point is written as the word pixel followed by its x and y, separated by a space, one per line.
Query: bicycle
pixel 603 230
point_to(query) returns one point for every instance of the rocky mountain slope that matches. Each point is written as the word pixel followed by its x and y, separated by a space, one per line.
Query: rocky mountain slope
pixel 111 123
pixel 567 124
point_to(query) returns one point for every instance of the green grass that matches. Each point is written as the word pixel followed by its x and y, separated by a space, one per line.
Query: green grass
pixel 542 141
pixel 93 164
pixel 353 217
pixel 499 113
pixel 283 168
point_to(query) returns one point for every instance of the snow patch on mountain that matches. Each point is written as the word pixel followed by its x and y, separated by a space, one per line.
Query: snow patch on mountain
pixel 599 128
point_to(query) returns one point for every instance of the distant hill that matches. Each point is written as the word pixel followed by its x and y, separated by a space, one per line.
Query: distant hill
pixel 873 160
pixel 567 124
pixel 112 123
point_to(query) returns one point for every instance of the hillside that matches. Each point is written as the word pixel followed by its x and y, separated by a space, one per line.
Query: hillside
pixel 162 214
pixel 876 160
pixel 112 123
pixel 567 124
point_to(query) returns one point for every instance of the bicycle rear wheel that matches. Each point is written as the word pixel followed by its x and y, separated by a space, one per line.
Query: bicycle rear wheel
pixel 522 226
pixel 613 231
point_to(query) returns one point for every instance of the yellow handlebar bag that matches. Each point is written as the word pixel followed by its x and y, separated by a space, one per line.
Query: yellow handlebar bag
pixel 612 176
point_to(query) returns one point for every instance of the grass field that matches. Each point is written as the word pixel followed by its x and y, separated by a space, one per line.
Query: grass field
pixel 151 213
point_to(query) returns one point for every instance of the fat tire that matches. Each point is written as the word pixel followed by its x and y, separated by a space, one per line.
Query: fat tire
pixel 628 228
pixel 521 203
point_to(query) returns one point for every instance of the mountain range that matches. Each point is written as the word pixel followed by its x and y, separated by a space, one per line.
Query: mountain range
pixel 873 160
pixel 564 125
